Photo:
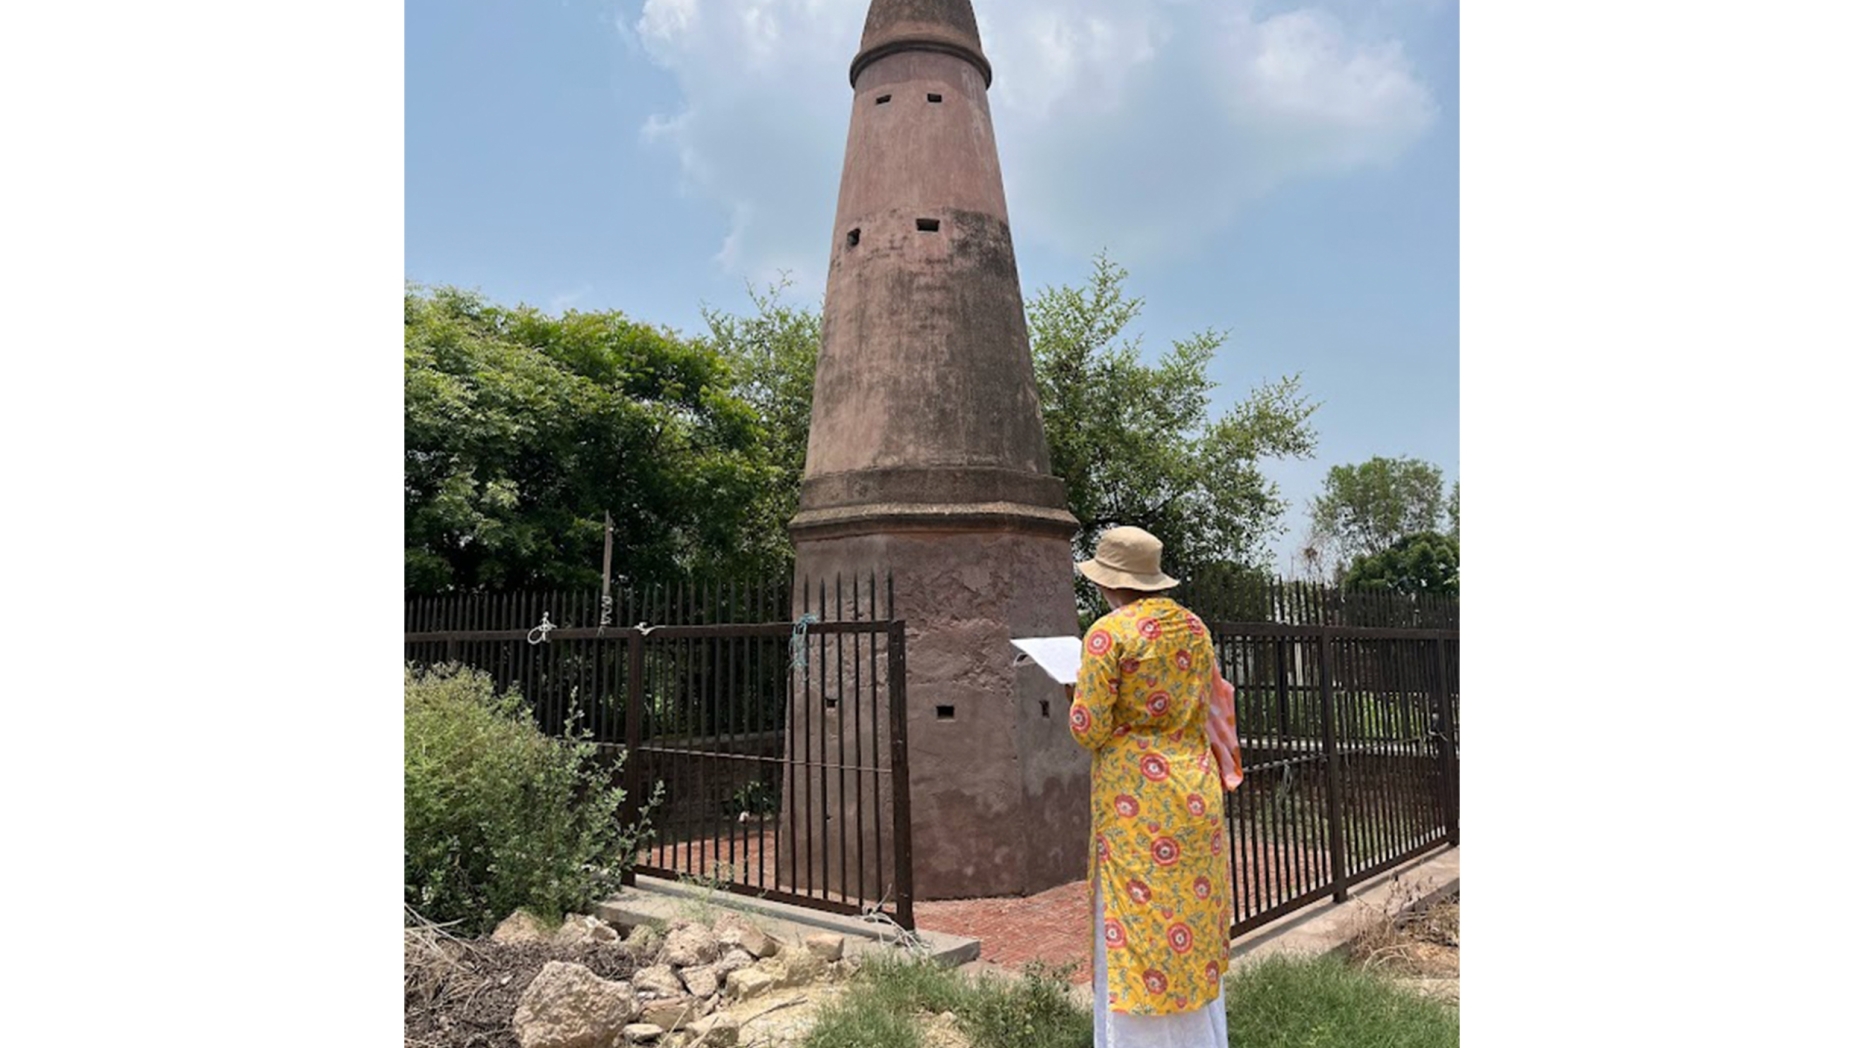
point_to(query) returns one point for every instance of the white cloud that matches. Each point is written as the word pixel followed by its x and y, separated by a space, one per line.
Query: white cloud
pixel 1140 125
pixel 565 299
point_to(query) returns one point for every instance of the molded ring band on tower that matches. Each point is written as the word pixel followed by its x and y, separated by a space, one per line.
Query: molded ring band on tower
pixel 916 43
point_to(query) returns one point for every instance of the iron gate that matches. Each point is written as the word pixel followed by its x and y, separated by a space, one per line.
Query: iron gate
pixel 718 717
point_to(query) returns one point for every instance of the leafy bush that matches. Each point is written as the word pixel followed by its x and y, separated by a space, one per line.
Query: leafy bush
pixel 500 816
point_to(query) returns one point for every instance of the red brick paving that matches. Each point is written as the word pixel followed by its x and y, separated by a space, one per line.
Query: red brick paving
pixel 1052 927
pixel 750 850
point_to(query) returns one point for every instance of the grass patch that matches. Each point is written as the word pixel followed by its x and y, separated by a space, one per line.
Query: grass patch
pixel 1324 1002
pixel 708 895
pixel 889 1000
pixel 1321 1002
pixel 850 1024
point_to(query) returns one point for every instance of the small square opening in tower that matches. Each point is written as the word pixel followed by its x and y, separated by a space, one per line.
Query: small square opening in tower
pixel 935 98
pixel 1045 711
pixel 928 225
pixel 854 237
pixel 883 100
pixel 947 712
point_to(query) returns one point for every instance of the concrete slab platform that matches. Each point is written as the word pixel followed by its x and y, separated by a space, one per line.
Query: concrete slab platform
pixel 1327 926
pixel 655 901
pixel 1323 927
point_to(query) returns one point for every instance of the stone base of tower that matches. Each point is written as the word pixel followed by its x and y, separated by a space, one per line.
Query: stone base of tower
pixel 999 787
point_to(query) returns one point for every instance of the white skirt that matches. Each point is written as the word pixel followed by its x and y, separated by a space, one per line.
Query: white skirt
pixel 1205 1027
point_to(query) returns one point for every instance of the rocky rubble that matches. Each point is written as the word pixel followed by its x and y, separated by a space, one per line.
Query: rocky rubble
pixel 569 1006
pixel 675 995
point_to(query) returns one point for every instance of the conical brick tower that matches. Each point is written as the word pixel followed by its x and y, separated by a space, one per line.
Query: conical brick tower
pixel 927 458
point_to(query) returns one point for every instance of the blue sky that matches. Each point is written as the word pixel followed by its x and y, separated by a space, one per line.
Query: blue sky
pixel 1284 171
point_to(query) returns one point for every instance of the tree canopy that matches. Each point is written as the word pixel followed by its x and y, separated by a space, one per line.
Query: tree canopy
pixel 523 429
pixel 772 353
pixel 1365 509
pixel 1135 443
pixel 1426 562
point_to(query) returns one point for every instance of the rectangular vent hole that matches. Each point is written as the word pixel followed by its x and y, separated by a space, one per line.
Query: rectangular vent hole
pixel 928 225
pixel 1045 712
pixel 854 237
pixel 947 712
pixel 935 98
pixel 883 100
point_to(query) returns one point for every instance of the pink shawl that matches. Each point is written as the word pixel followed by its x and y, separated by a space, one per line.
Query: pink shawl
pixel 1220 727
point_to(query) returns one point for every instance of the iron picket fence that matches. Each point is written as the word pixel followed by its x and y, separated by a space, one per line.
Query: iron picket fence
pixel 768 751
pixel 1350 754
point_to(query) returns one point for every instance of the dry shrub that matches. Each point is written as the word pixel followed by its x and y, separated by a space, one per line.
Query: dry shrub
pixel 461 993
pixel 1408 939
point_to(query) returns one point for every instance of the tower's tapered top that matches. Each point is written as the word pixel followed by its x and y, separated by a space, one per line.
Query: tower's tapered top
pixel 928 25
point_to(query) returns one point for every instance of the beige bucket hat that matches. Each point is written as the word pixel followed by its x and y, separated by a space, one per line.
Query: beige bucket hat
pixel 1127 558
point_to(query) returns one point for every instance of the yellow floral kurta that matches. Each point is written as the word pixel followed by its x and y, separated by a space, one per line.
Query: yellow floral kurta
pixel 1139 707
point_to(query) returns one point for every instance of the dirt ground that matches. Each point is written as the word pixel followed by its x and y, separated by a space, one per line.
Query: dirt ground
pixel 462 993
pixel 1420 950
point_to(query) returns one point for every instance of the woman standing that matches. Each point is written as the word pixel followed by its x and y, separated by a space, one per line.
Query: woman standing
pixel 1161 892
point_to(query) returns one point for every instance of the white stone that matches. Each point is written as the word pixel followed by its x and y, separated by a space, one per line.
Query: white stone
pixel 690 945
pixel 569 1006
pixel 734 930
pixel 701 981
pixel 826 945
pixel 717 1031
pixel 643 941
pixel 734 959
pixel 748 982
pixel 658 981
pixel 795 967
pixel 579 929
pixel 522 926
pixel 635 1033
pixel 671 1013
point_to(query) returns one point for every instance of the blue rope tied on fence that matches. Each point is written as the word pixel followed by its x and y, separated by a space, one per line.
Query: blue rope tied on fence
pixel 799 641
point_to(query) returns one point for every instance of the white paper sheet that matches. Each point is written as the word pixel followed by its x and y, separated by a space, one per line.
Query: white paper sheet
pixel 1059 657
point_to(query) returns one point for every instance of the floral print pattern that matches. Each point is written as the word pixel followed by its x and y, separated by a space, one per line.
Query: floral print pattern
pixel 1140 704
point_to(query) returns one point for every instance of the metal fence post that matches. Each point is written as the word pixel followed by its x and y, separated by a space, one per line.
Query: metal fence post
pixel 1330 736
pixel 1446 745
pixel 631 771
pixel 902 777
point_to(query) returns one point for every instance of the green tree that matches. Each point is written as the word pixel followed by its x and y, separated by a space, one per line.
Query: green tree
pixel 523 429
pixel 773 356
pixel 1364 509
pixel 1135 442
pixel 1456 509
pixel 1425 562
